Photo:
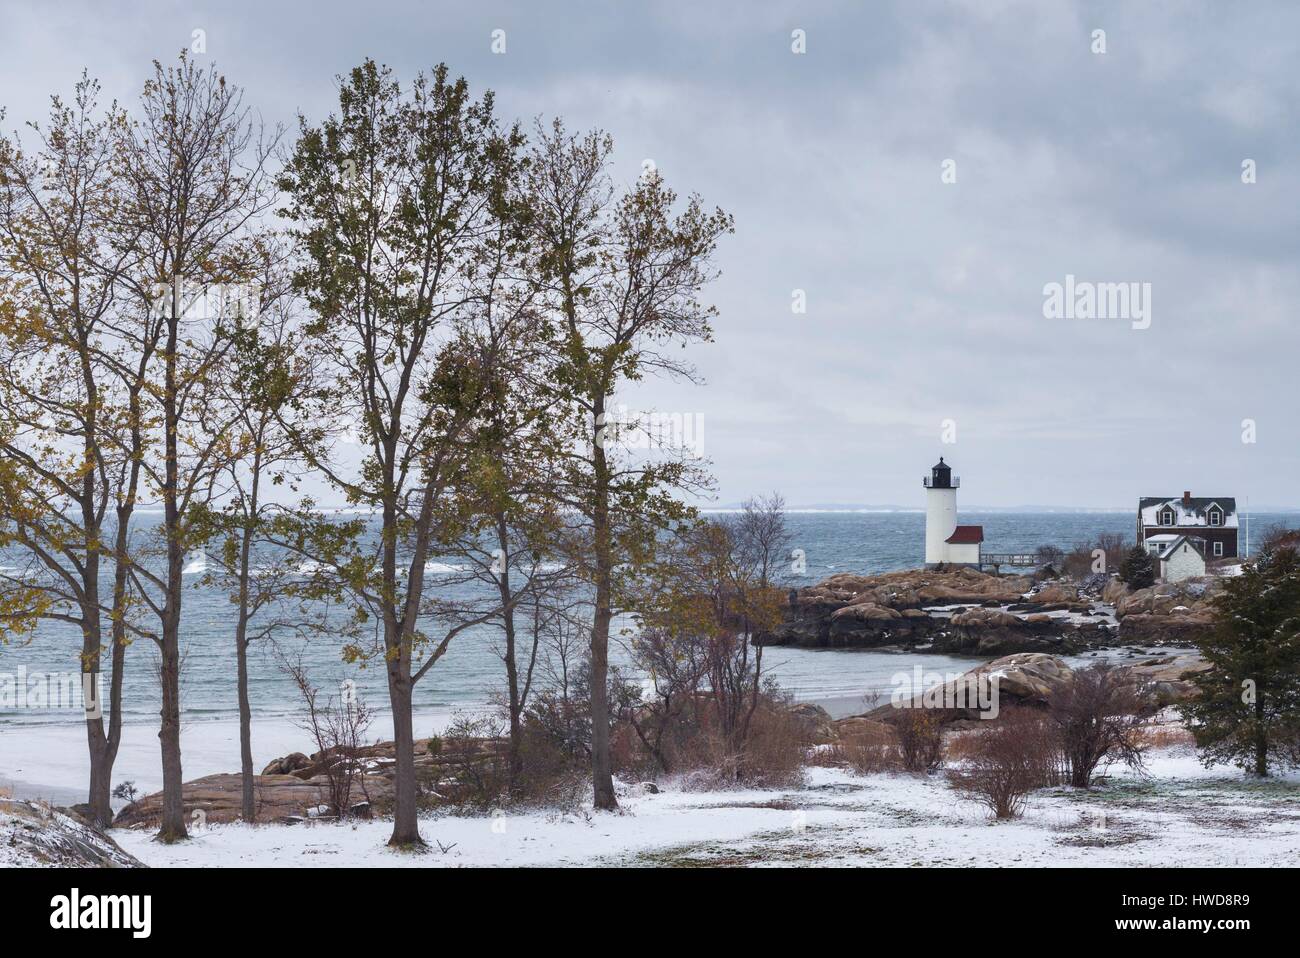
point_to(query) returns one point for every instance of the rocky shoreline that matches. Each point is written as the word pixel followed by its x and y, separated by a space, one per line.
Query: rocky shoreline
pixel 967 612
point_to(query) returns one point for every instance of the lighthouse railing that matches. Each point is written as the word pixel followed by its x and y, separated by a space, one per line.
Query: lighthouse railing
pixel 953 483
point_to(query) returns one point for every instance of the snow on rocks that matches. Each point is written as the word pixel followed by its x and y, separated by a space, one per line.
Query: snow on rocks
pixel 37 834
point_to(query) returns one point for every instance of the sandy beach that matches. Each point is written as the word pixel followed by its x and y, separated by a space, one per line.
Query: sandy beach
pixel 51 762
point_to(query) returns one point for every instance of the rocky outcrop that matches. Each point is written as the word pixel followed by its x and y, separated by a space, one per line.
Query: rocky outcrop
pixel 1022 678
pixel 1179 613
pixel 218 798
pixel 36 834
pixel 441 767
pixel 1028 678
pixel 293 762
pixel 1168 681
pixel 960 611
pixel 913 588
pixel 995 632
pixel 815 722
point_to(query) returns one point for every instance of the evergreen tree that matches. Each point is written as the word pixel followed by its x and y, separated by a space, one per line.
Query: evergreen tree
pixel 1138 570
pixel 1248 710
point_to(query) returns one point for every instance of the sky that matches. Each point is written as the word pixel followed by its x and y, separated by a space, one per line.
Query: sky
pixel 916 178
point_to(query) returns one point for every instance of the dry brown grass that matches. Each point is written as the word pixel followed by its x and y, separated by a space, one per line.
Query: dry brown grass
pixel 959 746
pixel 866 749
pixel 1166 736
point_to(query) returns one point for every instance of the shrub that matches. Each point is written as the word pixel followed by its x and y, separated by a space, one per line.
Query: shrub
pixel 868 749
pixel 126 791
pixel 773 752
pixel 472 763
pixel 697 743
pixel 1080 562
pixel 1017 754
pixel 1097 719
pixel 920 739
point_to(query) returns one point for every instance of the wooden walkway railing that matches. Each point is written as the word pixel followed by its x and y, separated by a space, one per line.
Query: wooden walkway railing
pixel 996 559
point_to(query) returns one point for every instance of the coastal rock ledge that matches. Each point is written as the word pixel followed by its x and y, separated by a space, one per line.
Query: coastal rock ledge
pixel 958 611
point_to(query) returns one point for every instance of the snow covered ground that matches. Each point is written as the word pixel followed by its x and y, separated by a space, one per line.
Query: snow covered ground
pixel 1180 814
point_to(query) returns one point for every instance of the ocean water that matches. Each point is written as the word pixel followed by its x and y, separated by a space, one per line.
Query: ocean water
pixel 471 671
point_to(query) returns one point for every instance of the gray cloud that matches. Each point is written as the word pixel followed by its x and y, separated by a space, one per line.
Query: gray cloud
pixel 924 299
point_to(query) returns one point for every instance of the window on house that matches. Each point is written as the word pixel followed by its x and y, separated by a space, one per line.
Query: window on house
pixel 1167 517
pixel 1218 548
pixel 1216 517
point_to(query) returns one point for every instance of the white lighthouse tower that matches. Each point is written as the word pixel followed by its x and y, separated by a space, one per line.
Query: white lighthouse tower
pixel 940 512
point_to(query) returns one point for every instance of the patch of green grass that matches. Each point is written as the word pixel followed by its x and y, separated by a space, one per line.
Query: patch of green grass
pixel 765 848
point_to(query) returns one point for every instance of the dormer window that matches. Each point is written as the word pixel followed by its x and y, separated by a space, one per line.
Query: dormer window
pixel 1167 517
pixel 1216 517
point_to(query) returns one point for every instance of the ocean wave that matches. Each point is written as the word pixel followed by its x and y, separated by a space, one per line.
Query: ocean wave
pixel 442 568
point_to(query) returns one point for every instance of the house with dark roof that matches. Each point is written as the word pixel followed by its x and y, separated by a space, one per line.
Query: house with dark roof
pixel 1212 519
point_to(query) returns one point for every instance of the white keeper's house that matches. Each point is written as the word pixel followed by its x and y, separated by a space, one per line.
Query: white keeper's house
pixel 1177 556
pixel 947 543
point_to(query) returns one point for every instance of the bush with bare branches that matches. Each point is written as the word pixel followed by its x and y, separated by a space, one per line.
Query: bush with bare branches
pixel 920 739
pixel 338 727
pixel 1097 716
pixel 1011 758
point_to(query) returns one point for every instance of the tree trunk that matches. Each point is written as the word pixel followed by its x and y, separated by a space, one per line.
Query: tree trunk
pixel 515 758
pixel 248 809
pixel 406 827
pixel 248 804
pixel 1261 738
pixel 98 798
pixel 101 755
pixel 172 826
pixel 602 778
pixel 103 747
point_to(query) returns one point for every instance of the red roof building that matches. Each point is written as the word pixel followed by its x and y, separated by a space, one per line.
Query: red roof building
pixel 966 535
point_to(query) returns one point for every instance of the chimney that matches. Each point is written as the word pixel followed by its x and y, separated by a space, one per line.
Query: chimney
pixel 1187 498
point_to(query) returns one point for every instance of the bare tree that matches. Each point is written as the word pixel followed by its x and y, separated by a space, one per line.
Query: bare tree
pixel 676 667
pixel 762 537
pixel 700 603
pixel 338 727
